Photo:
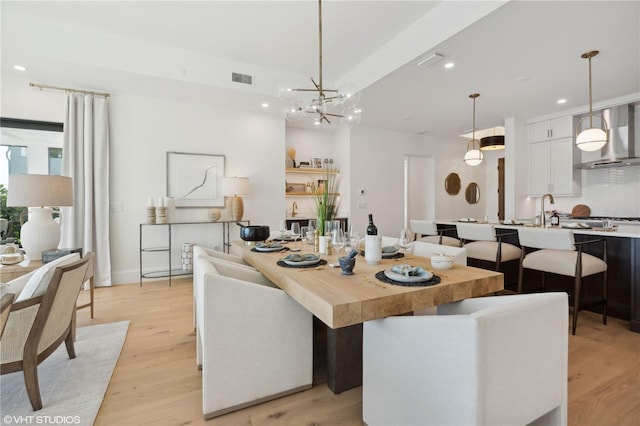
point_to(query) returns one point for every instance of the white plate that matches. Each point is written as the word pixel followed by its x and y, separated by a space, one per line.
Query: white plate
pixel 277 248
pixel 301 263
pixel 404 279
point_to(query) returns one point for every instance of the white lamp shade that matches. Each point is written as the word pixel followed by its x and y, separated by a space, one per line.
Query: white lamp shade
pixel 473 157
pixel 235 186
pixel 26 190
pixel 40 232
pixel 591 139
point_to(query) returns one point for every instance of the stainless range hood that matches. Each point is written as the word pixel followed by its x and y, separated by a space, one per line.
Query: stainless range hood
pixel 623 148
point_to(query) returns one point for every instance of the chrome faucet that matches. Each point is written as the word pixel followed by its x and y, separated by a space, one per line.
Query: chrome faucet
pixel 543 218
pixel 294 209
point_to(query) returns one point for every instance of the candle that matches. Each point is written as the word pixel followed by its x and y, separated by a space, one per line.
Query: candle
pixel 150 202
pixel 160 201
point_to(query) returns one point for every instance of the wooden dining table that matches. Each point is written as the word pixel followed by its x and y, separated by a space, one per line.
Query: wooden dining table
pixel 344 302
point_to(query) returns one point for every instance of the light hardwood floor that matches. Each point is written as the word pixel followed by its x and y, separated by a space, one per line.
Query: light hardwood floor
pixel 156 380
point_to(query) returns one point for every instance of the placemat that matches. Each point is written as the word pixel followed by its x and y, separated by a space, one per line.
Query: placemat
pixel 398 255
pixel 279 251
pixel 382 277
pixel 285 265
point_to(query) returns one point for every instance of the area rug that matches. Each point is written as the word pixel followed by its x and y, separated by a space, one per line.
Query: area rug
pixel 71 389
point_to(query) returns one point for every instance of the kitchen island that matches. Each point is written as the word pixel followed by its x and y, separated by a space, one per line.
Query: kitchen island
pixel 623 252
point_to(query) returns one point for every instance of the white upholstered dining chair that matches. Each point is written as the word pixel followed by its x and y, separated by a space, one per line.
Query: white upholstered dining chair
pixel 254 341
pixel 555 251
pixel 498 360
pixel 427 231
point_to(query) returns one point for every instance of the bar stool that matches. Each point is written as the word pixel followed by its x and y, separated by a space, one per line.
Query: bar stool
pixel 558 253
pixel 485 244
pixel 429 233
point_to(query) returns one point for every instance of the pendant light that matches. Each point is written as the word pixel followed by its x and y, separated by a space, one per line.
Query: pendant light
pixel 593 138
pixel 473 156
pixel 319 103
pixel 492 143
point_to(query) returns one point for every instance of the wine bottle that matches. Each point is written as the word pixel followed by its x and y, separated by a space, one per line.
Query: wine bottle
pixel 371 229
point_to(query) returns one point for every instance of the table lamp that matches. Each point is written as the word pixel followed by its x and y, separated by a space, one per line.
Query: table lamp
pixel 40 232
pixel 235 188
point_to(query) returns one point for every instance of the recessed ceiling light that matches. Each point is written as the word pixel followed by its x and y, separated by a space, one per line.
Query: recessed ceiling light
pixel 449 65
pixel 265 105
pixel 562 101
pixel 19 67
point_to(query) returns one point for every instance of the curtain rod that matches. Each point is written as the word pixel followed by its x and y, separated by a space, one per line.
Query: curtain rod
pixel 66 89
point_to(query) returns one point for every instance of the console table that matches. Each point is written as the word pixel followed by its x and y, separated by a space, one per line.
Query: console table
pixel 171 272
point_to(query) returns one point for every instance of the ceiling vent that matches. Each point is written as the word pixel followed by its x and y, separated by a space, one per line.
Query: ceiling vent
pixel 429 59
pixel 236 77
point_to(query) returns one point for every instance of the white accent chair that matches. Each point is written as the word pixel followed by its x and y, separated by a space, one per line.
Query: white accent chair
pixel 201 251
pixel 558 253
pixel 254 341
pixel 483 243
pixel 424 249
pixel 498 360
pixel 429 233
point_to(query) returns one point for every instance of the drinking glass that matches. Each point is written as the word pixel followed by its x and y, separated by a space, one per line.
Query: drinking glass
pixel 303 233
pixel 351 241
pixel 337 240
pixel 295 233
pixel 406 240
pixel 283 229
pixel 312 224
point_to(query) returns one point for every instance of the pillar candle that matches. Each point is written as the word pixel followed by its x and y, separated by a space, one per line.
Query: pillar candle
pixel 160 201
pixel 150 202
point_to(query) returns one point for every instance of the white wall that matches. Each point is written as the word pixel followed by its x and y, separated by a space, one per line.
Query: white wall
pixel 143 129
pixel 377 167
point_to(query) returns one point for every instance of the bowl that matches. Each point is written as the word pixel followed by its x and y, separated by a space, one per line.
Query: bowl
pixel 254 233
pixel 442 261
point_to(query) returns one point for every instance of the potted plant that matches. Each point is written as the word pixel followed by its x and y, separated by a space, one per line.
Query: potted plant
pixel 327 198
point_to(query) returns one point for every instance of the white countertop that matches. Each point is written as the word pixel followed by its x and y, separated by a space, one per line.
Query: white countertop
pixel 628 230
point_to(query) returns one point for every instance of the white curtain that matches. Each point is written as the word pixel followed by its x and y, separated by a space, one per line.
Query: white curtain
pixel 85 158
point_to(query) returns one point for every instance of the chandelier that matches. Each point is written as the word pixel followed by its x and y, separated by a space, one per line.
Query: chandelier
pixel 593 138
pixel 319 104
pixel 473 156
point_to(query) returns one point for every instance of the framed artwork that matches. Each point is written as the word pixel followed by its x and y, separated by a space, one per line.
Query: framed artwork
pixel 316 163
pixel 194 180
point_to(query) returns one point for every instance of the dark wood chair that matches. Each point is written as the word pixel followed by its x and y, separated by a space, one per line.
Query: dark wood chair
pixel 37 326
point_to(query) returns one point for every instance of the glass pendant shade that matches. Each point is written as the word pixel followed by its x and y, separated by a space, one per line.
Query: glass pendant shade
pixel 591 139
pixel 351 115
pixel 473 157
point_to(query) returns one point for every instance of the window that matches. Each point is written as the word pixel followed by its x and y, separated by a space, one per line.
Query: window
pixel 26 146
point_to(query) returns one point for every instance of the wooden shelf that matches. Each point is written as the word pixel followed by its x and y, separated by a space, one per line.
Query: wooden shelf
pixel 305 194
pixel 311 170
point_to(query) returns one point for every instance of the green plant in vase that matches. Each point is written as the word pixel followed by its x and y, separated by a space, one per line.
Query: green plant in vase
pixel 326 197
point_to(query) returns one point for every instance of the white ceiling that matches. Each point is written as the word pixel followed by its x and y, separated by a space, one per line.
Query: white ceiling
pixel 521 58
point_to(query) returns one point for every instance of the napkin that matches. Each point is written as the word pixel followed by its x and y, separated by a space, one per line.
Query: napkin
pixel 296 257
pixel 389 249
pixel 268 245
pixel 408 270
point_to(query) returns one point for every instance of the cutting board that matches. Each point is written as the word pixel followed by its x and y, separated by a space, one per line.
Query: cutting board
pixel 580 210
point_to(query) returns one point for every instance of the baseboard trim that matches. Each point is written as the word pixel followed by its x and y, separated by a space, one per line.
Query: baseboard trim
pixel 227 410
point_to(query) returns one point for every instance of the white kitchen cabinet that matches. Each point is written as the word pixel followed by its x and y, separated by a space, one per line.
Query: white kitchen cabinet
pixel 557 128
pixel 551 168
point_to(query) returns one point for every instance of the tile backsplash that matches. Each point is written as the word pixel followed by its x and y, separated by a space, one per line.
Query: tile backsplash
pixel 612 191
